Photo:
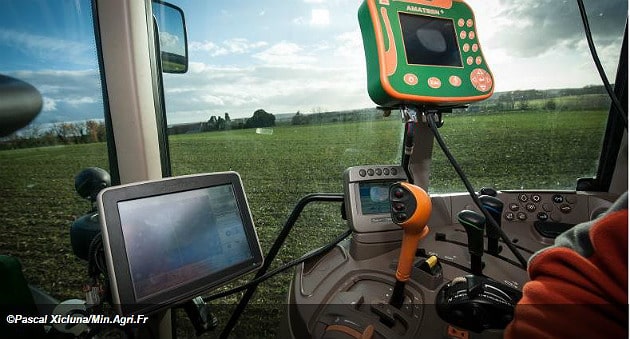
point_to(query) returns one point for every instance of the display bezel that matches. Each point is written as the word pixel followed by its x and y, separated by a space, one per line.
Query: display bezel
pixel 353 178
pixel 120 275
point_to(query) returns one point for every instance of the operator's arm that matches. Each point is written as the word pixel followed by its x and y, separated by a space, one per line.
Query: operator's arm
pixel 578 287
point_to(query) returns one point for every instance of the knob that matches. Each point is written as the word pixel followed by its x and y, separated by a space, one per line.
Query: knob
pixel 474 224
pixel 494 206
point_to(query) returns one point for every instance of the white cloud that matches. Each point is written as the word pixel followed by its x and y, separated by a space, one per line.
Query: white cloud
pixel 320 17
pixel 277 88
pixel 170 43
pixel 285 53
pixel 82 101
pixel 231 46
pixel 47 48
pixel 49 105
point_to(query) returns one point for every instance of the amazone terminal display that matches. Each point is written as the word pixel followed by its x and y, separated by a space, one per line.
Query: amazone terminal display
pixel 423 52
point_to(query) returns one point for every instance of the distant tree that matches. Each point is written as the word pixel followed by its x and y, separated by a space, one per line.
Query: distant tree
pixel 299 119
pixel 220 126
pixel 228 121
pixel 550 105
pixel 261 119
pixel 95 131
pixel 523 104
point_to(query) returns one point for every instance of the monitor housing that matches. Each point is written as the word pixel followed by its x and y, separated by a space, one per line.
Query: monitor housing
pixel 169 240
pixel 366 197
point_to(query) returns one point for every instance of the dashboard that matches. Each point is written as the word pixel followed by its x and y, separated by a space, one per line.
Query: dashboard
pixel 345 293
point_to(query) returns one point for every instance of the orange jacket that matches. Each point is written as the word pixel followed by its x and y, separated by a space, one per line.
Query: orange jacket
pixel 579 286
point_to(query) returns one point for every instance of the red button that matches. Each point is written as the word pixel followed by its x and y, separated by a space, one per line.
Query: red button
pixel 460 22
pixel 455 80
pixel 481 80
pixel 466 47
pixel 463 34
pixel 475 47
pixel 470 60
pixel 410 79
pixel 478 60
pixel 469 22
pixel 434 82
pixel 471 35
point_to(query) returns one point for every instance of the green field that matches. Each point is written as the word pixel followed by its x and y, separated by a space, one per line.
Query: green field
pixel 532 149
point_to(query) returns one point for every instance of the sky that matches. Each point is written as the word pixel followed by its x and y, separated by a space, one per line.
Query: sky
pixel 286 56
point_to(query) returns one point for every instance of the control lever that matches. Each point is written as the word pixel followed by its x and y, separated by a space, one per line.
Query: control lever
pixel 477 303
pixel 474 224
pixel 494 206
pixel 410 209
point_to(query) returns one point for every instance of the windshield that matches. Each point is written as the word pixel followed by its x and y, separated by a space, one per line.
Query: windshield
pixel 301 65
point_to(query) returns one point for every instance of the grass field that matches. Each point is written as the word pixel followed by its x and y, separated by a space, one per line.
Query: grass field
pixel 533 149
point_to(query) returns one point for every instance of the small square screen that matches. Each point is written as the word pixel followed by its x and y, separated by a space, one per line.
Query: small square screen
pixel 177 238
pixel 374 197
pixel 430 41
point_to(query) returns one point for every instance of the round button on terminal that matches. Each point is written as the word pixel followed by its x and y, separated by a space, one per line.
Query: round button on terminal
pixel 370 172
pixel 379 171
pixel 410 79
pixel 480 78
pixel 455 81
pixel 362 173
pixel 434 82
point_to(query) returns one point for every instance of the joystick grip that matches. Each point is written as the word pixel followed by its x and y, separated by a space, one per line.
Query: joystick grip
pixel 411 209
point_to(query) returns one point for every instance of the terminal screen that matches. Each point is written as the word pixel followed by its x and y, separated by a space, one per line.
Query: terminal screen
pixel 430 41
pixel 177 238
pixel 374 197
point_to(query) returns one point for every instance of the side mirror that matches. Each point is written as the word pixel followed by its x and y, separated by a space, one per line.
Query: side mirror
pixel 20 103
pixel 172 34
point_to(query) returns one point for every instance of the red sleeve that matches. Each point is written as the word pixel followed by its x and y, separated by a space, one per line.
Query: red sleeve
pixel 575 296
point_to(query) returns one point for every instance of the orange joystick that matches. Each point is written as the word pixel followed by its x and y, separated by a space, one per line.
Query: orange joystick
pixel 410 209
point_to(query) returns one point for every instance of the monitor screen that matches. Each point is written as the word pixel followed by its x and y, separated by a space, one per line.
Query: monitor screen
pixel 170 240
pixel 175 238
pixel 374 197
pixel 430 41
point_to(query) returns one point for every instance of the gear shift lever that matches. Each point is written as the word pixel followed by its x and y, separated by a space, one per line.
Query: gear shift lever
pixel 410 209
pixel 474 224
pixel 494 206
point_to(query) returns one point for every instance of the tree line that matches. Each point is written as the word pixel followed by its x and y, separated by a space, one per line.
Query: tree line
pixel 61 133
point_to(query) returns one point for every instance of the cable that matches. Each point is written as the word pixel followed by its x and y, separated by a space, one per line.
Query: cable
pixel 471 190
pixel 591 45
pixel 282 268
pixel 408 150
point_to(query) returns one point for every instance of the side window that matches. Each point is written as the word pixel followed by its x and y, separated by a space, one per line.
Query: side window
pixel 52 46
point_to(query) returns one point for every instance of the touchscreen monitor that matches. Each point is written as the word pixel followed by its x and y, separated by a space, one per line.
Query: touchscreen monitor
pixel 169 240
